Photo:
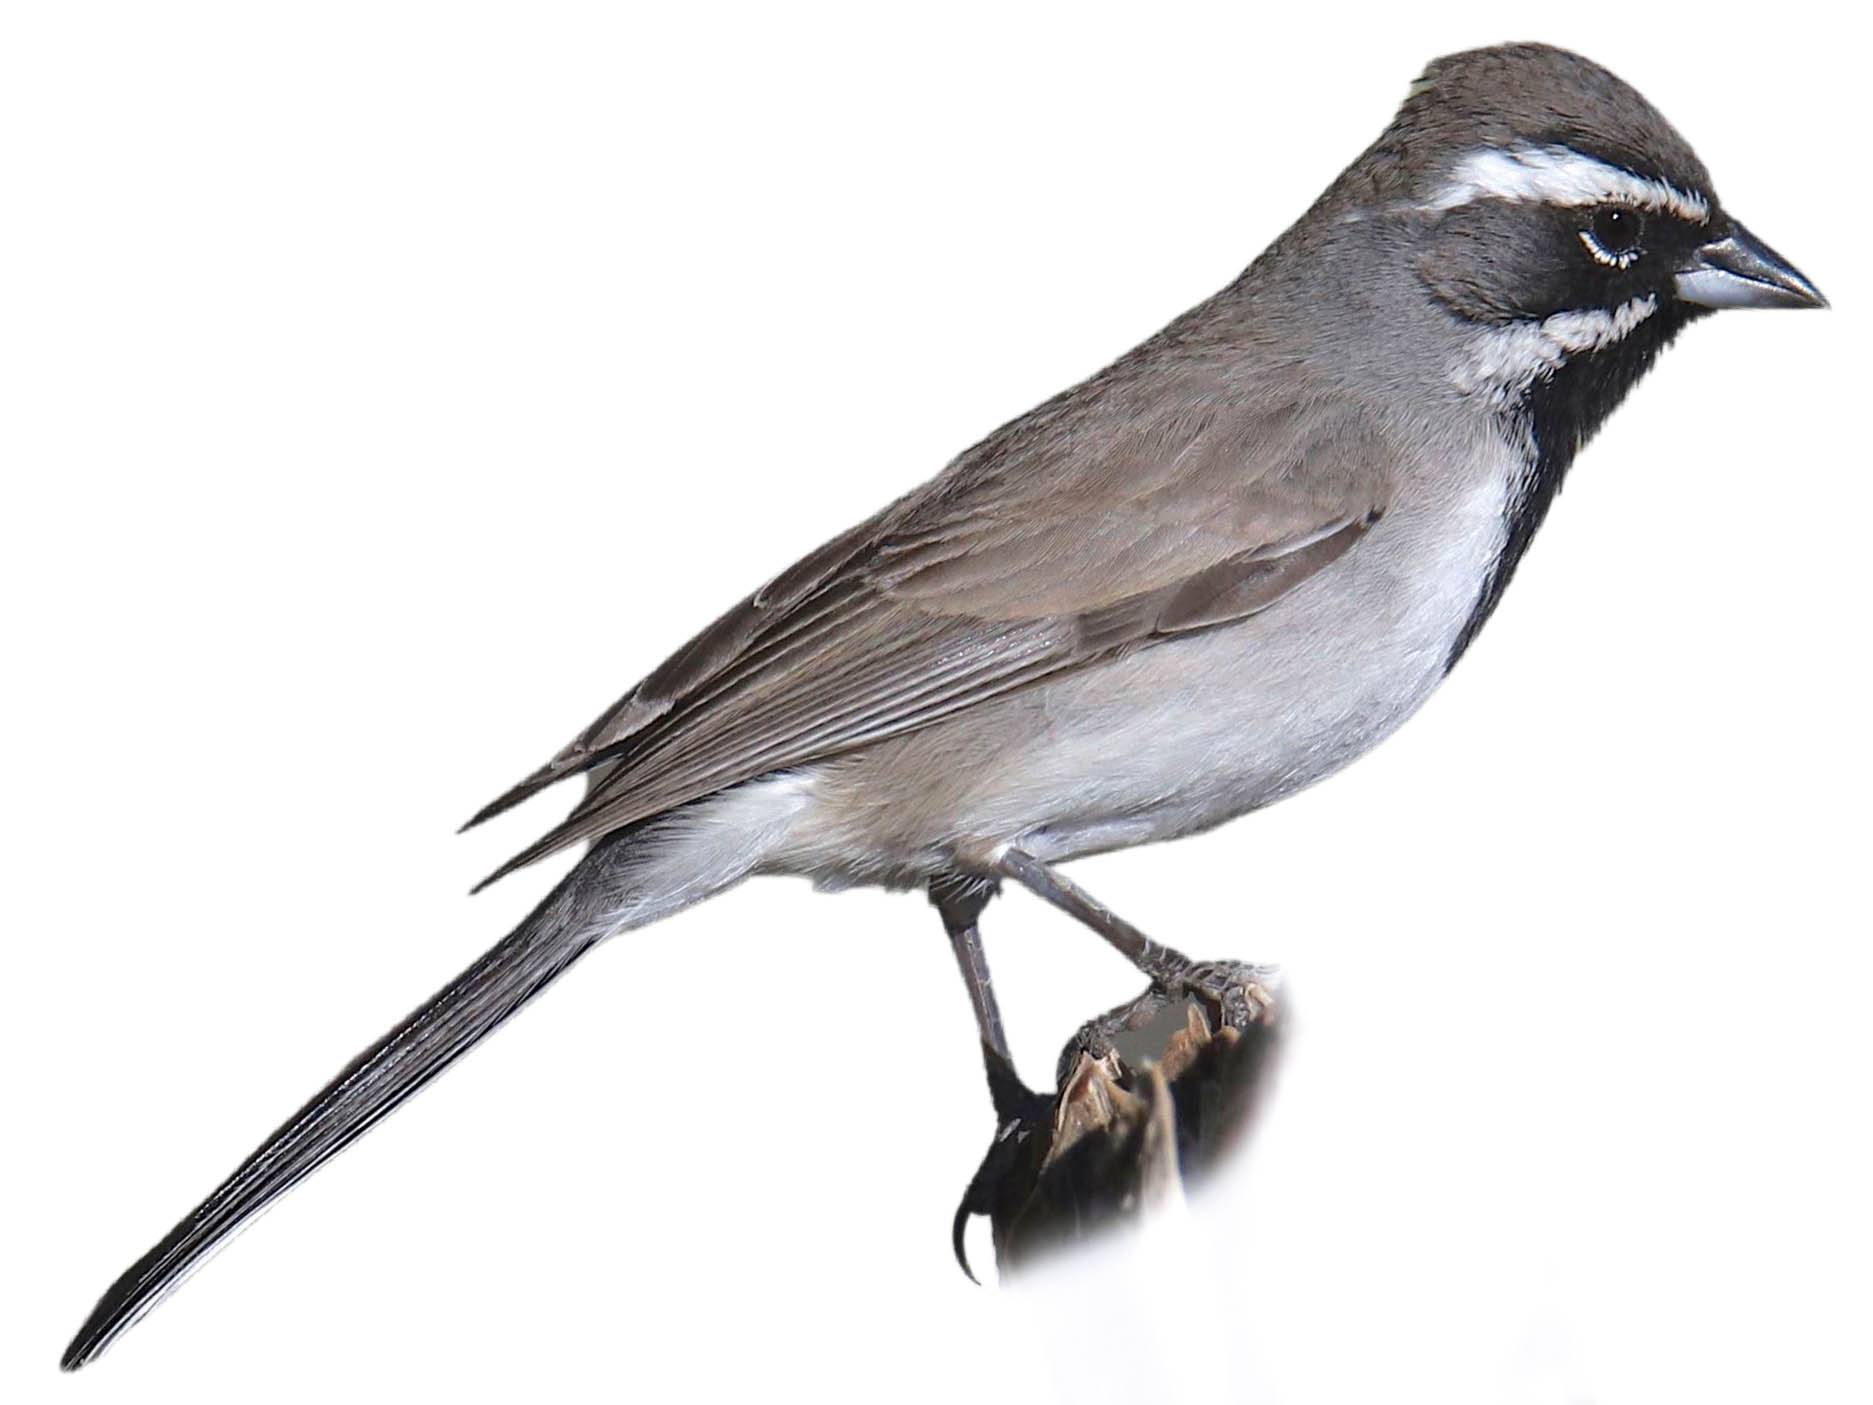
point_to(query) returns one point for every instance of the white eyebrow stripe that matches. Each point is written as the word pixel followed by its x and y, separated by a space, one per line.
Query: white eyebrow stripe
pixel 1559 175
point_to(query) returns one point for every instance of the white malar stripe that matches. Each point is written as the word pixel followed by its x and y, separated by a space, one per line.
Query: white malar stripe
pixel 1559 175
pixel 1504 361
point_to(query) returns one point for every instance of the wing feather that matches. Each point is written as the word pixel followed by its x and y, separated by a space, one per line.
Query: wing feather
pixel 1041 551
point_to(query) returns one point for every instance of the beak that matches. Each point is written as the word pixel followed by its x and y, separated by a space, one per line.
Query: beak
pixel 1739 270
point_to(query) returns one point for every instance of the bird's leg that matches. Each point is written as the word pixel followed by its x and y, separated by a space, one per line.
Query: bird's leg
pixel 959 900
pixel 1021 1114
pixel 1223 984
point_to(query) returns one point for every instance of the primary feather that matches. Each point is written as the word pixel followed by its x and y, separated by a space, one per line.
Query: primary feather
pixel 1165 494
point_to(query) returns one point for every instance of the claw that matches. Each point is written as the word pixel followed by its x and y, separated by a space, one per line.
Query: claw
pixel 958 1229
pixel 979 1198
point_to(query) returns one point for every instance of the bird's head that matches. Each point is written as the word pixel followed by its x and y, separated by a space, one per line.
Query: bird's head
pixel 1555 215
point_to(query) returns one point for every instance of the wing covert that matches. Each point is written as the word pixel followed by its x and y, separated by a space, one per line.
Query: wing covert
pixel 1021 562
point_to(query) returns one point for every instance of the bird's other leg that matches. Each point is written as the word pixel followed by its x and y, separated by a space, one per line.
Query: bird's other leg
pixel 1220 983
pixel 959 900
pixel 1020 1113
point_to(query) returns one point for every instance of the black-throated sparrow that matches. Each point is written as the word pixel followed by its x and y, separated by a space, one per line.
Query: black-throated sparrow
pixel 1217 571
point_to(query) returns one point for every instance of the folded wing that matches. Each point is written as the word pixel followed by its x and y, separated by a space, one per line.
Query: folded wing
pixel 1061 541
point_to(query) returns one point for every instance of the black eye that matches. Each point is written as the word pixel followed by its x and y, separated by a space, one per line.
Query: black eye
pixel 1616 235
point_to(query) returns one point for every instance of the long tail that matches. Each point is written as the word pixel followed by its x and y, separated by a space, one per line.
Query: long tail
pixel 627 881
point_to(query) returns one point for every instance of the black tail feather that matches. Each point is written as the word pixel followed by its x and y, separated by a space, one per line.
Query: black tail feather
pixel 566 925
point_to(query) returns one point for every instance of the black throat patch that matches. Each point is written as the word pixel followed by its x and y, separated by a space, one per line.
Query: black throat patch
pixel 1554 417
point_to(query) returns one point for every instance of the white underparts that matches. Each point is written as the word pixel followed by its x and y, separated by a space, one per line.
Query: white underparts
pixel 1559 175
pixel 1504 361
pixel 711 844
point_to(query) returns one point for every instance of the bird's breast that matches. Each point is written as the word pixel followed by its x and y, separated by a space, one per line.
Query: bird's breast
pixel 1185 734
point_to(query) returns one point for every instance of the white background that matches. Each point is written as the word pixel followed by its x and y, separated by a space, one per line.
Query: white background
pixel 387 387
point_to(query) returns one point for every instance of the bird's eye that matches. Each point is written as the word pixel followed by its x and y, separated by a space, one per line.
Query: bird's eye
pixel 1615 236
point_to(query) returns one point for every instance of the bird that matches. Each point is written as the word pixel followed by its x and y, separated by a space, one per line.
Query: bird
pixel 1217 571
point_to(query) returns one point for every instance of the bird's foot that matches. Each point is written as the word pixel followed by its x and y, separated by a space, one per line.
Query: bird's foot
pixel 1147 1096
pixel 1234 994
pixel 1230 994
